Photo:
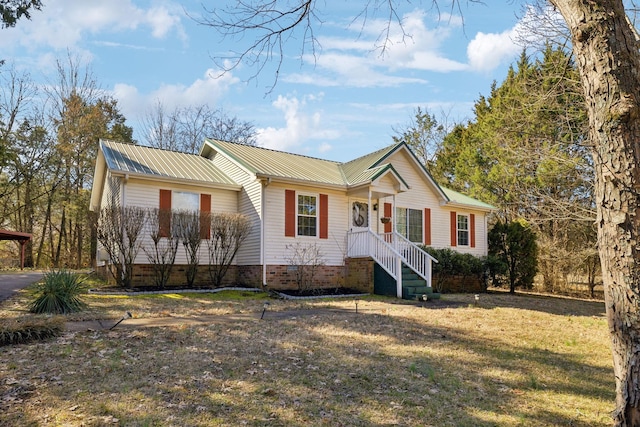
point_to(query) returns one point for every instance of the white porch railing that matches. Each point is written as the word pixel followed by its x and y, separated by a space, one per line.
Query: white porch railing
pixel 366 243
pixel 391 250
pixel 417 259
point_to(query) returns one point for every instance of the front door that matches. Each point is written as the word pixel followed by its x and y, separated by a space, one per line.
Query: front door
pixel 359 216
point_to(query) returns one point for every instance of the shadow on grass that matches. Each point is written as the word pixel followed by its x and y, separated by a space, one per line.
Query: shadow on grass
pixel 314 367
pixel 556 305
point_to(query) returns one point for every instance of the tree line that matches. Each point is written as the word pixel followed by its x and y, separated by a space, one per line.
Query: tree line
pixel 49 139
pixel 525 151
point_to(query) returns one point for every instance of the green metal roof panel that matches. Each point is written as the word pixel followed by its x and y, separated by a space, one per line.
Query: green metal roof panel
pixel 136 159
pixel 264 161
pixel 357 171
pixel 460 198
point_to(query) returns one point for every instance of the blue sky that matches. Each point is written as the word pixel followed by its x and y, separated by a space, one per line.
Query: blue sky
pixel 340 106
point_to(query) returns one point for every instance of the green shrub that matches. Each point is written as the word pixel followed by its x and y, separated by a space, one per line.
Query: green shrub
pixel 59 293
pixel 451 263
pixel 514 244
pixel 29 329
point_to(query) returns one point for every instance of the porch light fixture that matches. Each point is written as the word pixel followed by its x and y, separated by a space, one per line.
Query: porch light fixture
pixel 375 206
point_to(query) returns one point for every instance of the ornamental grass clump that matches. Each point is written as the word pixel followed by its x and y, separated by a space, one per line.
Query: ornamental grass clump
pixel 59 293
pixel 18 331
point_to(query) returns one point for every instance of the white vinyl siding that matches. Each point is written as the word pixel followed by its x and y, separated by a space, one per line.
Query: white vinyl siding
pixel 333 248
pixel 248 203
pixel 421 195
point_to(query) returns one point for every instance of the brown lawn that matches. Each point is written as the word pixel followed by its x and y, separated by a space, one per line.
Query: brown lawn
pixel 511 361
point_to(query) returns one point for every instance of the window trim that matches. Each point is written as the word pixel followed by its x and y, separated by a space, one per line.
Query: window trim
pixel 299 215
pixel 405 220
pixel 459 230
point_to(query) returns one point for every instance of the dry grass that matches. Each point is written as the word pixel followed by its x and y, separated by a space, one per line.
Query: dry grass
pixel 512 361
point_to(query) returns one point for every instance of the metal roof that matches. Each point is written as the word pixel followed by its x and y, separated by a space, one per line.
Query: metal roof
pixel 459 198
pixel 136 159
pixel 14 235
pixel 361 169
pixel 279 164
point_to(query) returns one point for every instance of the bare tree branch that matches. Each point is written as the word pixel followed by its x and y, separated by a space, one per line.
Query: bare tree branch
pixel 270 24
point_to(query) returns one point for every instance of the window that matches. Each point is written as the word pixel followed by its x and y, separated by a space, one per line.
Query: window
pixel 186 201
pixel 182 200
pixel 409 223
pixel 463 230
pixel 307 215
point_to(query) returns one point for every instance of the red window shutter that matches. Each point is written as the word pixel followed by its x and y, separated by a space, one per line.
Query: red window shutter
pixel 205 216
pixel 472 230
pixel 164 213
pixel 454 228
pixel 427 226
pixel 324 216
pixel 387 213
pixel 290 213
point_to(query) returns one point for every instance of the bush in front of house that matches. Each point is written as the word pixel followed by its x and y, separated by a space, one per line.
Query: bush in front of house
pixel 455 266
pixel 59 293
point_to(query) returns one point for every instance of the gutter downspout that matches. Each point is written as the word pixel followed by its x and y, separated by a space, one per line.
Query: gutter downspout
pixel 263 210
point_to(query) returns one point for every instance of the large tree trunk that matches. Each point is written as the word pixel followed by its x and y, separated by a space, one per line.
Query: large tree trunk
pixel 609 62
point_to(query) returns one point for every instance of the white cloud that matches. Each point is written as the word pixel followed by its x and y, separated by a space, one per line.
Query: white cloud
pixel 488 51
pixel 62 23
pixel 345 61
pixel 300 126
pixel 206 90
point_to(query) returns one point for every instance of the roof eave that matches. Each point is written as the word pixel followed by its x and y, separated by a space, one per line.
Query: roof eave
pixel 186 181
pixel 455 204
pixel 288 180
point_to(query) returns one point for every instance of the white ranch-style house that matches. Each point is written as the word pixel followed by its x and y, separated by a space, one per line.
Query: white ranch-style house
pixel 367 216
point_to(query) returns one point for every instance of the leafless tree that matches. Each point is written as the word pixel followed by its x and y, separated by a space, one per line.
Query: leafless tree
pixel 184 129
pixel 162 255
pixel 305 259
pixel 274 23
pixel 160 128
pixel 228 231
pixel 119 233
pixel 188 229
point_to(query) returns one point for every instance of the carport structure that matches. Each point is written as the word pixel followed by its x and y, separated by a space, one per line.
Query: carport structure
pixel 22 238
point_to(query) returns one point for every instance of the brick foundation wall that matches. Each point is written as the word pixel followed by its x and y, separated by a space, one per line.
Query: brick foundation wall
pixel 459 284
pixel 359 274
pixel 250 275
pixel 284 277
pixel 143 276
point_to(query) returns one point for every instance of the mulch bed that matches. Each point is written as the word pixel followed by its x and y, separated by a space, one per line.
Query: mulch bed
pixel 167 289
pixel 321 292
